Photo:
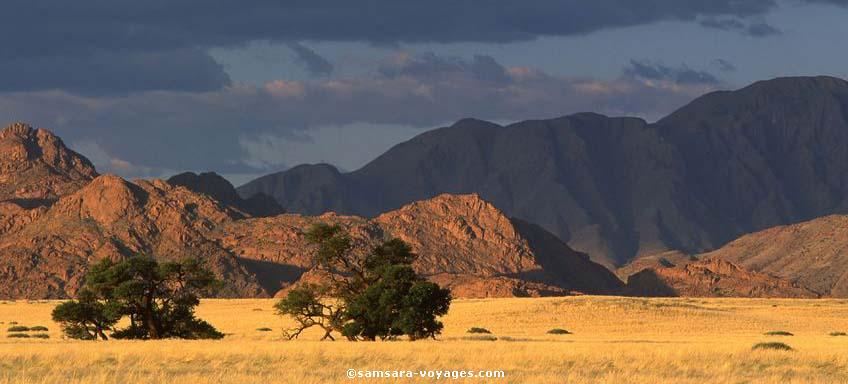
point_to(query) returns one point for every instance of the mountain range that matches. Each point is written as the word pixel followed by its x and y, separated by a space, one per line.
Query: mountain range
pixel 726 164
pixel 740 193
pixel 59 216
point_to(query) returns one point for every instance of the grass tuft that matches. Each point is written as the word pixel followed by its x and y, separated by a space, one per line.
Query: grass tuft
pixel 39 328
pixel 838 334
pixel 558 331
pixel 18 336
pixel 778 333
pixel 41 336
pixel 478 330
pixel 777 346
pixel 480 338
pixel 17 328
pixel 264 329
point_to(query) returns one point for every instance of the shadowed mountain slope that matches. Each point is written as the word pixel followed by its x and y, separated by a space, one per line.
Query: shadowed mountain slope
pixel 728 163
pixel 218 188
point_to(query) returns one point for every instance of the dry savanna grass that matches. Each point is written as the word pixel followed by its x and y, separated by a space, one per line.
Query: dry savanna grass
pixel 612 340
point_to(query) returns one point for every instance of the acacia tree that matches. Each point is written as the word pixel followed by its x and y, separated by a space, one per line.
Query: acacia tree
pixel 376 295
pixel 158 298
pixel 311 306
pixel 86 318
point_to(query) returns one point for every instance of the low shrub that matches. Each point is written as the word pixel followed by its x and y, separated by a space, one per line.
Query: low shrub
pixel 40 336
pixel 17 328
pixel 838 334
pixel 778 333
pixel 40 328
pixel 772 346
pixel 480 338
pixel 478 330
pixel 18 335
pixel 558 331
pixel 264 329
pixel 507 338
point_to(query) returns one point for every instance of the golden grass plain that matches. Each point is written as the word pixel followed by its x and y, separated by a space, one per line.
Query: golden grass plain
pixel 613 340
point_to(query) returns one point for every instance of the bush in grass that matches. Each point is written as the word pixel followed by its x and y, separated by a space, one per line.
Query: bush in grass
pixel 838 334
pixel 18 335
pixel 41 336
pixel 777 346
pixel 481 338
pixel 478 330
pixel 558 331
pixel 508 338
pixel 778 333
pixel 39 328
pixel 264 329
pixel 18 328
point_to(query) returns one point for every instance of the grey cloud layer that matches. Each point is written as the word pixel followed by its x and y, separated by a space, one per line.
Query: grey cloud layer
pixel 185 130
pixel 681 75
pixel 755 28
pixel 158 44
pixel 314 63
pixel 107 73
pixel 159 24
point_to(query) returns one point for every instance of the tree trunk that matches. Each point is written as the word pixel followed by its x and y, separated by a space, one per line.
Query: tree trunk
pixel 327 335
pixel 153 330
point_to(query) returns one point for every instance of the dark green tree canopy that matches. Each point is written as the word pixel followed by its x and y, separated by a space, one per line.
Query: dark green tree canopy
pixel 157 298
pixel 373 296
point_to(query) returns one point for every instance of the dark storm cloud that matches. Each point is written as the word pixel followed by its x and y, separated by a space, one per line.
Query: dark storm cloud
pixel 57 36
pixel 755 29
pixel 161 24
pixel 679 75
pixel 108 73
pixel 314 63
pixel 843 3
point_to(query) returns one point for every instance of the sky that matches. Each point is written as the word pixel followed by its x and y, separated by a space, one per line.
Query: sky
pixel 152 88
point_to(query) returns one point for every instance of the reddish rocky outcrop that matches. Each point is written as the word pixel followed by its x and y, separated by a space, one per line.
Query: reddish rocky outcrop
pixel 462 241
pixel 113 218
pixel 813 253
pixel 710 278
pixel 36 167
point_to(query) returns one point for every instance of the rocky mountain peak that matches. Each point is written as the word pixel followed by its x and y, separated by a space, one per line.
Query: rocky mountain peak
pixel 36 165
pixel 19 129
pixel 467 214
pixel 218 188
pixel 106 199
